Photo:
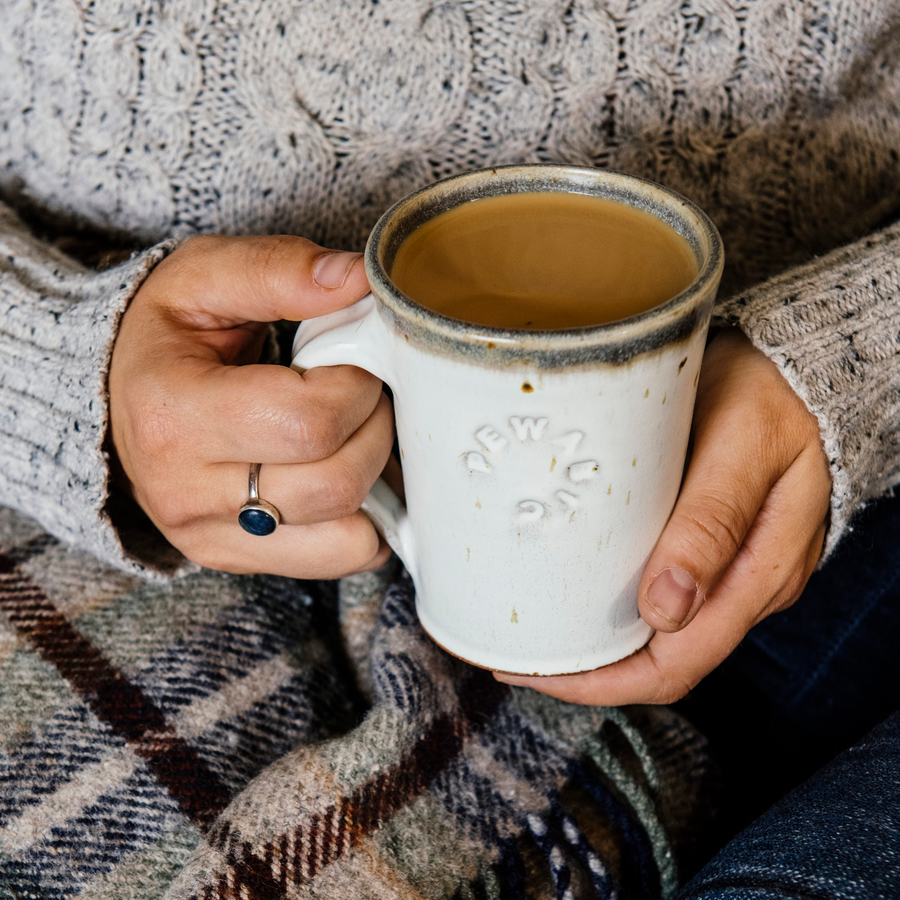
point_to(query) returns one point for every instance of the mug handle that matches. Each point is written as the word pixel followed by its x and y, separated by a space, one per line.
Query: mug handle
pixel 356 336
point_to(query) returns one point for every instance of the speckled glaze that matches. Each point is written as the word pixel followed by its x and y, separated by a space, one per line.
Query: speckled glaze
pixel 539 467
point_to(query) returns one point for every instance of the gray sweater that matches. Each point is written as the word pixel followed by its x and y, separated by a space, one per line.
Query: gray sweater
pixel 140 123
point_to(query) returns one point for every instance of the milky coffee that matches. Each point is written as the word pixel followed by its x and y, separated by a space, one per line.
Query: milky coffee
pixel 543 260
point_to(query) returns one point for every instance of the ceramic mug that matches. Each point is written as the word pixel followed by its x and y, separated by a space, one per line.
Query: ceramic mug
pixel 540 467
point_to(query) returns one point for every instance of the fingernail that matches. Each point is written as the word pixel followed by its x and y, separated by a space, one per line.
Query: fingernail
pixel 672 594
pixel 331 269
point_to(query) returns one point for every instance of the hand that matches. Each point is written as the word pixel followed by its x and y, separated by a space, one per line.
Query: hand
pixel 191 408
pixel 742 541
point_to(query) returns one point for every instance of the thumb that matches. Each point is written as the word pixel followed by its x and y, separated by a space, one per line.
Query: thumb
pixel 699 543
pixel 733 465
pixel 749 428
pixel 221 281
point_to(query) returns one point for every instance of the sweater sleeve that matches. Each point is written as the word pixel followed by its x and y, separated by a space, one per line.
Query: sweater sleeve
pixel 833 328
pixel 58 322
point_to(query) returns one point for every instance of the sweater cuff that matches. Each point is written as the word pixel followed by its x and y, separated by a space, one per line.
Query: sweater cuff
pixel 60 322
pixel 832 327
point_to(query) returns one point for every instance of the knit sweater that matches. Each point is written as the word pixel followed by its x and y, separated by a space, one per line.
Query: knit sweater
pixel 142 121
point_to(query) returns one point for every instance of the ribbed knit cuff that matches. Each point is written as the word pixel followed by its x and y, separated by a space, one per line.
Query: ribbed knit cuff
pixel 833 328
pixel 58 323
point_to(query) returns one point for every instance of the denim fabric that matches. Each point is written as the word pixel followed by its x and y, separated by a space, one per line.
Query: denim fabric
pixel 835 837
pixel 804 685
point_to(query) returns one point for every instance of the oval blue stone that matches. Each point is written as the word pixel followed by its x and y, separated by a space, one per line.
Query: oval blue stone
pixel 257 521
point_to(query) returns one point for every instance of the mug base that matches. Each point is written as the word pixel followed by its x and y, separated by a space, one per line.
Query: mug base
pixel 638 638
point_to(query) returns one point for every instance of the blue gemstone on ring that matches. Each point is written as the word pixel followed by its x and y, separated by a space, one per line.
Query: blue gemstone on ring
pixel 257 521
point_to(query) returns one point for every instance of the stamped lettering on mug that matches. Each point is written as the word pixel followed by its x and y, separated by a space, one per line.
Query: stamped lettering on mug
pixel 570 501
pixel 530 511
pixel 490 438
pixel 528 428
pixel 499 449
pixel 477 463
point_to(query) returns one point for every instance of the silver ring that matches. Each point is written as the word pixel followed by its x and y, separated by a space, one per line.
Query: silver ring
pixel 257 516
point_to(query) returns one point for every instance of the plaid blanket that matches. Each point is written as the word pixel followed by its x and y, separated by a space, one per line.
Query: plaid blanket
pixel 257 737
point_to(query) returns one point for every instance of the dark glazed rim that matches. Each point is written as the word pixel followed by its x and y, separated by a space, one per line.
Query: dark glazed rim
pixel 615 342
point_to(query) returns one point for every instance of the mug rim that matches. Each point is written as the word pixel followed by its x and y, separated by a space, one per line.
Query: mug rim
pixel 615 341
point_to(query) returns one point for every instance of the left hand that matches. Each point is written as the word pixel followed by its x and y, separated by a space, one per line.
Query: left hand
pixel 742 541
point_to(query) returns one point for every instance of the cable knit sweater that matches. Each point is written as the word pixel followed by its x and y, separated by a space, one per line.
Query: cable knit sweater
pixel 141 122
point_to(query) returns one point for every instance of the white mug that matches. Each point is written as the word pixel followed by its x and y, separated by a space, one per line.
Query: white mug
pixel 540 467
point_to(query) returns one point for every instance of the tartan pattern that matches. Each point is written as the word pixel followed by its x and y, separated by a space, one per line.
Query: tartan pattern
pixel 257 738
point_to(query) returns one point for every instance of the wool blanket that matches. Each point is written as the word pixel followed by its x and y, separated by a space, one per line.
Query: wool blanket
pixel 259 737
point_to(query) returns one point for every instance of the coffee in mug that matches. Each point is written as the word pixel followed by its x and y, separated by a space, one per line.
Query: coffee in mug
pixel 543 261
pixel 542 434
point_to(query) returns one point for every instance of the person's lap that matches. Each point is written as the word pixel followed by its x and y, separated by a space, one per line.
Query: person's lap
pixel 836 837
pixel 803 686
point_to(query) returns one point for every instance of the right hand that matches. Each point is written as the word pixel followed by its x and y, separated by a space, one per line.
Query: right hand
pixel 744 537
pixel 191 409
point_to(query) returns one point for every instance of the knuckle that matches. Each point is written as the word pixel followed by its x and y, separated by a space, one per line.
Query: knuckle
pixel 198 245
pixel 157 440
pixel 287 413
pixel 188 264
pixel 668 692
pixel 349 490
pixel 383 415
pixel 669 685
pixel 268 262
pixel 792 587
pixel 362 541
pixel 341 492
pixel 172 511
pixel 716 531
pixel 321 431
pixel 361 381
pixel 287 434
pixel 156 429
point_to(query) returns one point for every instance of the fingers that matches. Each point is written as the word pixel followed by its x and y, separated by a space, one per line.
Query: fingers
pixel 331 488
pixel 325 550
pixel 768 573
pixel 256 413
pixel 215 281
pixel 322 534
pixel 702 537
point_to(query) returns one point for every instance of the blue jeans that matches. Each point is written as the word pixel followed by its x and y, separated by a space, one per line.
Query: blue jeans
pixel 803 687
